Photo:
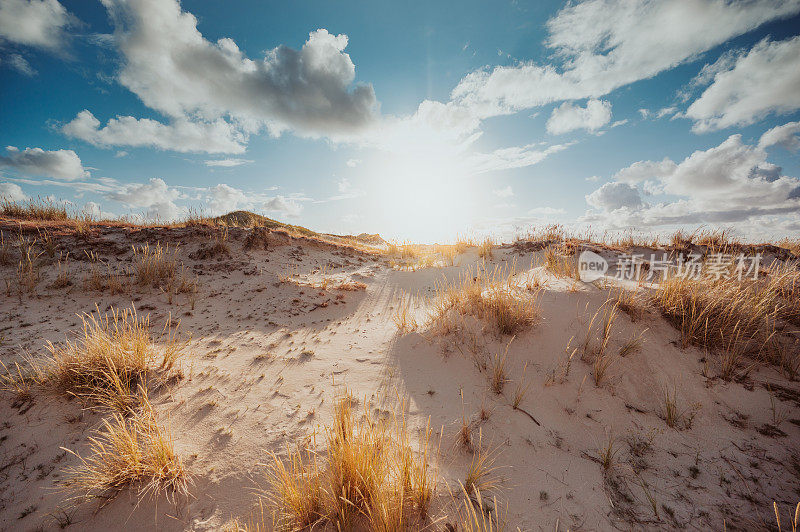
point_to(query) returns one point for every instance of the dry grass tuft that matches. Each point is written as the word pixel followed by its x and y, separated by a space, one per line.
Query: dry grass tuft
pixel 28 274
pixel 497 300
pixel 485 248
pixel 477 515
pixel 735 319
pixel 597 340
pixel 111 361
pixel 480 477
pixel 498 376
pixel 131 450
pixel 368 477
pixel 154 266
pixel 403 316
pixel 43 209
pixel 673 416
pixel 561 265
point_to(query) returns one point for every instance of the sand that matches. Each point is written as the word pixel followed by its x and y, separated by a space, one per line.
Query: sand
pixel 269 353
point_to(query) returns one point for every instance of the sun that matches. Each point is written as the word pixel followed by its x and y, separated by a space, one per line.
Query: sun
pixel 423 198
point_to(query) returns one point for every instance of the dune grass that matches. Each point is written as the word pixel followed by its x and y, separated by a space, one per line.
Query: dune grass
pixel 108 363
pixel 154 265
pixel 736 320
pixel 368 477
pixel 492 297
pixel 43 209
pixel 561 265
pixel 130 450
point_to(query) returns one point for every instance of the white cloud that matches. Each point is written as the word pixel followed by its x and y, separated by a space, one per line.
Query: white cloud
pixel 12 192
pixel 569 117
pixel 280 204
pixel 37 23
pixel 223 199
pixel 613 196
pixel 175 70
pixel 228 163
pixel 606 44
pixel 181 135
pixel 506 192
pixel 352 163
pixel 58 164
pixel 731 182
pixel 764 80
pixel 643 170
pixel 155 196
pixel 785 135
pixel 513 157
pixel 666 111
pixel 20 64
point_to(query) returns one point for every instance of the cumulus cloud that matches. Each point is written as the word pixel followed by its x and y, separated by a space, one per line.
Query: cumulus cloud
pixel 38 23
pixel 172 68
pixel 613 196
pixel 569 117
pixel 58 164
pixel 182 134
pixel 785 135
pixel 762 81
pixel 223 198
pixel 731 182
pixel 155 196
pixel 280 204
pixel 643 170
pixel 228 163
pixel 606 44
pixel 12 192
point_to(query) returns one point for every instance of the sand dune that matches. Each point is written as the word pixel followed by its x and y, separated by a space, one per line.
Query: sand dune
pixel 280 328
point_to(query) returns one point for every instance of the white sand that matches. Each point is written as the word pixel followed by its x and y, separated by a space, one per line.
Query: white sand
pixel 268 358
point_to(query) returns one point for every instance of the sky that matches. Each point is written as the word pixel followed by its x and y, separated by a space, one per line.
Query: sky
pixel 421 121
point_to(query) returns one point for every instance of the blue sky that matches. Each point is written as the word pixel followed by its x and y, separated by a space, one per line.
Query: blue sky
pixel 416 120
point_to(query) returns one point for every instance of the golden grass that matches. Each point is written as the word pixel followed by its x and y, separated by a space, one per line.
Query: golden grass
pixel 403 316
pixel 480 477
pixel 597 340
pixel 368 477
pixel 36 209
pixel 735 319
pixel 28 273
pixel 491 297
pixel 475 515
pixel 485 248
pixel 673 416
pixel 154 265
pixel 497 375
pixel 109 363
pixel 131 450
pixel 561 265
pixel 793 522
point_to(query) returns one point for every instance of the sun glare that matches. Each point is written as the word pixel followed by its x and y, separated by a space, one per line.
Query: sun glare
pixel 423 198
